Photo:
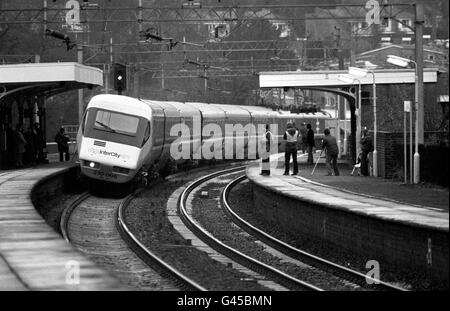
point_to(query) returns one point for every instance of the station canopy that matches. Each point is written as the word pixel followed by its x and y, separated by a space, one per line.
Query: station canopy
pixel 47 78
pixel 329 79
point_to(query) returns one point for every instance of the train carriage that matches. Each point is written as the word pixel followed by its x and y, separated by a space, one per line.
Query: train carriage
pixel 121 136
pixel 189 130
pixel 238 128
pixel 212 128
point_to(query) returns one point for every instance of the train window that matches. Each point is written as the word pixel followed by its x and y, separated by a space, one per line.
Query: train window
pixel 116 122
pixel 146 134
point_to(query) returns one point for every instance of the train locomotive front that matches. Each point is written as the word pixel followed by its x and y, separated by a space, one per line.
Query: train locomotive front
pixel 113 137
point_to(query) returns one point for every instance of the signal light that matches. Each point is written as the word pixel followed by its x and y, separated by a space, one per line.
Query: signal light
pixel 120 78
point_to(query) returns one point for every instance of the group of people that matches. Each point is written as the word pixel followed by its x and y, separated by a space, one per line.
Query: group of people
pixel 291 137
pixel 28 147
pixel 307 144
pixel 329 144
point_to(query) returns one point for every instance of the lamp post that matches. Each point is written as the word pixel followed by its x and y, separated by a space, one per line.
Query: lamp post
pixel 352 80
pixel 404 62
pixel 338 125
pixel 345 126
pixel 80 90
pixel 362 73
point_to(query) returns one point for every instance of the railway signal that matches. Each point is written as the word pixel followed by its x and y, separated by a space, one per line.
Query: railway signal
pixel 120 78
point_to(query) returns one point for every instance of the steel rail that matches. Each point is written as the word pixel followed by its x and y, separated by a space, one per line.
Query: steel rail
pixel 228 251
pixel 148 256
pixel 64 221
pixel 316 261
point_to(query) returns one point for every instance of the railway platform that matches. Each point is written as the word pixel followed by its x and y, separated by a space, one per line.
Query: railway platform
pixel 396 224
pixel 32 255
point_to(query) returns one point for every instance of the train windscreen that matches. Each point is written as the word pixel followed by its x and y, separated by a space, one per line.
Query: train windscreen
pixel 115 127
pixel 117 123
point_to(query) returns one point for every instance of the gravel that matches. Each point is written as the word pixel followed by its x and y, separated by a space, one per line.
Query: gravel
pixel 209 214
pixel 147 218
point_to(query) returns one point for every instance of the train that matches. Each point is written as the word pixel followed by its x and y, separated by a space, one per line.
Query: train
pixel 122 137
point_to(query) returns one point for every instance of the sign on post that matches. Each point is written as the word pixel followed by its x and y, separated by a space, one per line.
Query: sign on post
pixel 407 106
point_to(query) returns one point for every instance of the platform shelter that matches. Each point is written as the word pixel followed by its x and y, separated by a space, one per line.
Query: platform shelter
pixel 328 81
pixel 24 89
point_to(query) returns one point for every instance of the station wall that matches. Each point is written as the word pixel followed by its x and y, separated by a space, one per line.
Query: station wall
pixel 397 246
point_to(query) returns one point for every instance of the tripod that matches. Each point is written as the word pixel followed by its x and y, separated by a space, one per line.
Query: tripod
pixel 312 173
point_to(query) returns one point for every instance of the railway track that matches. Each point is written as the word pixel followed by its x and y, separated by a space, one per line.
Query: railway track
pixel 255 265
pixel 346 279
pixel 96 226
pixel 349 274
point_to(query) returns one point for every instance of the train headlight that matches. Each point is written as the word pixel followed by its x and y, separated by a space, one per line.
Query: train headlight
pixel 91 164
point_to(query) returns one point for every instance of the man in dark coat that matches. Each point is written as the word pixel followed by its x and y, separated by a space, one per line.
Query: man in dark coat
pixel 63 145
pixel 366 148
pixel 330 144
pixel 303 133
pixel 30 148
pixel 310 143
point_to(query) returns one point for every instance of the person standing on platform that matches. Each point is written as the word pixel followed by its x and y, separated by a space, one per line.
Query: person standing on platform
pixel 310 143
pixel 290 137
pixel 303 133
pixel 30 148
pixel 366 148
pixel 63 145
pixel 39 143
pixel 19 143
pixel 330 144
pixel 266 142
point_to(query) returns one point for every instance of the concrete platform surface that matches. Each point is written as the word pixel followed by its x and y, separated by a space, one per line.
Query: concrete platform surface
pixel 366 196
pixel 32 255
